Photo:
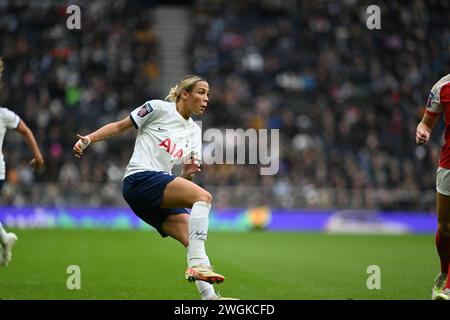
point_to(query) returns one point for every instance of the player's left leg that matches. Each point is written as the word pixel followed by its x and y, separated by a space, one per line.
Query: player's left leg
pixel 177 226
pixel 440 291
pixel 7 241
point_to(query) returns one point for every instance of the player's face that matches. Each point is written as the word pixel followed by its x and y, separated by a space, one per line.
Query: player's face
pixel 199 97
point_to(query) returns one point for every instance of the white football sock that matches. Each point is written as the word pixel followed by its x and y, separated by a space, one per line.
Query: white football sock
pixel 196 253
pixel 206 290
pixel 198 231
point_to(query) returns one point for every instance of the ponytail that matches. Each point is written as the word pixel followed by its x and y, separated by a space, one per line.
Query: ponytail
pixel 173 95
pixel 187 83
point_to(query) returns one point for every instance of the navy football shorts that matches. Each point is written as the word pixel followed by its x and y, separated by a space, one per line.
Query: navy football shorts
pixel 143 191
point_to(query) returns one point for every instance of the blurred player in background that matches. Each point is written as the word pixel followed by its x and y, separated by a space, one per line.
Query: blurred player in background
pixel 438 103
pixel 167 134
pixel 10 120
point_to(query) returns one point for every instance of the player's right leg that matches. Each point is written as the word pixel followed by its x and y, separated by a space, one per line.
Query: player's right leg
pixel 441 286
pixel 7 241
pixel 182 193
pixel 176 226
pixel 186 194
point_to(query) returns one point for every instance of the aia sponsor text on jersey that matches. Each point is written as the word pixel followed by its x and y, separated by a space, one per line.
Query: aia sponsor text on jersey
pixel 170 149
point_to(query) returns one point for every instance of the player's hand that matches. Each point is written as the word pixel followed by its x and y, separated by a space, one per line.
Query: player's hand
pixel 422 135
pixel 82 143
pixel 190 169
pixel 37 163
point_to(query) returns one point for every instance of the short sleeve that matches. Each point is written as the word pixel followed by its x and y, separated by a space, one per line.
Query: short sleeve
pixel 146 113
pixel 445 95
pixel 10 119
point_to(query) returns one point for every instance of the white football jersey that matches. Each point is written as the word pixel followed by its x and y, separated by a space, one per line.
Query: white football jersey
pixel 164 138
pixel 8 120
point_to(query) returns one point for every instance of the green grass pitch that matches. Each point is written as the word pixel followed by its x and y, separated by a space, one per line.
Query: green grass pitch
pixel 257 265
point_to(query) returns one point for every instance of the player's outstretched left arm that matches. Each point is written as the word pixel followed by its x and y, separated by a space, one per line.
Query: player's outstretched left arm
pixel 38 161
pixel 106 132
pixel 425 127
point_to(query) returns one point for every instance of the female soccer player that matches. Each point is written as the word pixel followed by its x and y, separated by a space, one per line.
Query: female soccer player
pixel 10 120
pixel 438 103
pixel 167 134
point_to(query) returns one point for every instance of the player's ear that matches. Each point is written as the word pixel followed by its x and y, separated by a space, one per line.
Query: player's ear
pixel 184 94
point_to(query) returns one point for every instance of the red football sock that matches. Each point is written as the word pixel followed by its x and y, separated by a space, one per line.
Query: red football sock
pixel 443 249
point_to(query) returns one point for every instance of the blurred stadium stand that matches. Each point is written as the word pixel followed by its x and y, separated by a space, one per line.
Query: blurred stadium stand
pixel 346 99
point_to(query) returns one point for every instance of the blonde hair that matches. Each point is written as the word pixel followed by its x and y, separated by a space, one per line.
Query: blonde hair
pixel 187 83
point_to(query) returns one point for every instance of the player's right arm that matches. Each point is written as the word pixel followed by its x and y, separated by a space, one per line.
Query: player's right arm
pixel 425 127
pixel 439 96
pixel 106 132
pixel 38 161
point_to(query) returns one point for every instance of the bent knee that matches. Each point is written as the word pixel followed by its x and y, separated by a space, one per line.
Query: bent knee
pixel 204 196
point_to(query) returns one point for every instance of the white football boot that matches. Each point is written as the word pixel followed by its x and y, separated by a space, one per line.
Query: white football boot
pixel 444 295
pixel 439 285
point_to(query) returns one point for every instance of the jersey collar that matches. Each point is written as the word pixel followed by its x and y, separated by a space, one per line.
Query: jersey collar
pixel 179 116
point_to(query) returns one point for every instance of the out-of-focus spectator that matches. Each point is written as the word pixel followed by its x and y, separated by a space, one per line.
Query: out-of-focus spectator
pixel 345 98
pixel 59 80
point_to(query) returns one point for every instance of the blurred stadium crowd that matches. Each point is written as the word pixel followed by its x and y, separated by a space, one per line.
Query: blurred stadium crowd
pixel 346 99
